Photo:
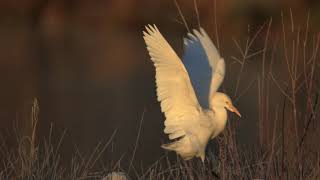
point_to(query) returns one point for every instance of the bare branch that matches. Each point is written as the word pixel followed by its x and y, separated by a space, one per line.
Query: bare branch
pixel 279 87
pixel 181 15
pixel 197 12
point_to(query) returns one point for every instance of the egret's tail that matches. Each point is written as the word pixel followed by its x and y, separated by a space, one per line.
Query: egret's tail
pixel 181 147
pixel 170 146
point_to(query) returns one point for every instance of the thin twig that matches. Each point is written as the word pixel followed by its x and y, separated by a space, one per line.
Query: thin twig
pixel 283 137
pixel 182 16
pixel 309 121
pixel 245 90
pixel 137 140
pixel 280 88
pixel 197 12
pixel 215 23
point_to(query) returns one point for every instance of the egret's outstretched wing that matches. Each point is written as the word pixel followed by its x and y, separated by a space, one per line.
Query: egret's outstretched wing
pixel 198 67
pixel 174 89
pixel 205 66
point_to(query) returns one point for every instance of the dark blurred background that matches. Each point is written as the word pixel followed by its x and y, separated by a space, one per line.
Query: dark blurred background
pixel 86 62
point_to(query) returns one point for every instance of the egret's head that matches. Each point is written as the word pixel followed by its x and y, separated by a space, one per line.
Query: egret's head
pixel 223 101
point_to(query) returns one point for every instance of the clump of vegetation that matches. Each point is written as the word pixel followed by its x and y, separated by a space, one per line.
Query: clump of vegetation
pixel 32 158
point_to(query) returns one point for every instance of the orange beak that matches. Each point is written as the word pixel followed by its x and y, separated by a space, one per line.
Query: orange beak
pixel 235 110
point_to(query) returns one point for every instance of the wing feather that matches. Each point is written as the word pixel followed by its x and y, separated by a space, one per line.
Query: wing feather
pixel 205 66
pixel 174 89
pixel 217 63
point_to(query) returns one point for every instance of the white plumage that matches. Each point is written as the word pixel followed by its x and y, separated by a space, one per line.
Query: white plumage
pixel 192 117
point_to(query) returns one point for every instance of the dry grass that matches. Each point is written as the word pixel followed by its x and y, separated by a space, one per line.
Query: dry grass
pixel 33 159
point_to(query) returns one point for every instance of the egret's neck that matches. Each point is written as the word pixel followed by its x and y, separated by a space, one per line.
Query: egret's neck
pixel 219 120
pixel 217 101
pixel 220 113
pixel 217 105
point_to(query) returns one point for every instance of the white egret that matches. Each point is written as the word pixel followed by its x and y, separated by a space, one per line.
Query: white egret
pixel 187 90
